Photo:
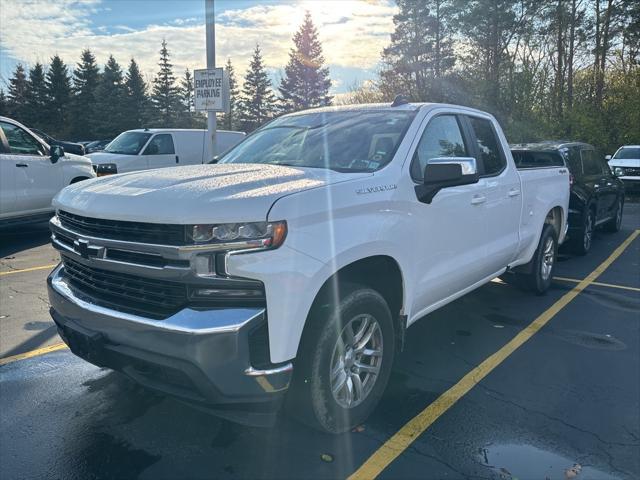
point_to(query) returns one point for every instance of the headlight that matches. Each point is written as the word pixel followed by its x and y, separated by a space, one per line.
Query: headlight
pixel 618 171
pixel 240 235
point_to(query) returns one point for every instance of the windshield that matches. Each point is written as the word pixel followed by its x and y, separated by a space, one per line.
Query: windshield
pixel 627 153
pixel 128 143
pixel 351 141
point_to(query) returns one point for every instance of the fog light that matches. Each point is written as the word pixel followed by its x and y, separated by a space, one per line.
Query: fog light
pixel 205 265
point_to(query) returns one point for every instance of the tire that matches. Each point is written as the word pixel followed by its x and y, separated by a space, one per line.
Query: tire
pixel 615 223
pixel 543 262
pixel 323 352
pixel 582 242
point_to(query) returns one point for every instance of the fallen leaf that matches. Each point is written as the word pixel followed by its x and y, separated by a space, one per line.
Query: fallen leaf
pixel 326 457
pixel 573 472
pixel 358 429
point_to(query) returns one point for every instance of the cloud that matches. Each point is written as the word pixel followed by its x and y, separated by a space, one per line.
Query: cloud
pixel 352 35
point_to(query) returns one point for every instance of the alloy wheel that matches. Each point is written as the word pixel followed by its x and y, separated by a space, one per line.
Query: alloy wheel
pixel 548 259
pixel 356 361
pixel 588 232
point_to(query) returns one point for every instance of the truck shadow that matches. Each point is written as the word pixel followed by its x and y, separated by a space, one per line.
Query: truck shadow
pixel 18 238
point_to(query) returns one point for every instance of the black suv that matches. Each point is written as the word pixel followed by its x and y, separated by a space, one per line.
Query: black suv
pixel 597 196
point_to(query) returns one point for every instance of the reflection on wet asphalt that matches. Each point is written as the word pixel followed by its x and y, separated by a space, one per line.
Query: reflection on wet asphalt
pixel 569 396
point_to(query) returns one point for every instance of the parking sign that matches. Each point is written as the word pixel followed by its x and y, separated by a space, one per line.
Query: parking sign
pixel 211 90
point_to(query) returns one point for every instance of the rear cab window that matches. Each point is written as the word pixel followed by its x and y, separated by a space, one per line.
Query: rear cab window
pixel 531 159
pixel 490 154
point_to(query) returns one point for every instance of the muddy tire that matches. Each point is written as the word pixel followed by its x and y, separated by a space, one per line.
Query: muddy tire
pixel 346 361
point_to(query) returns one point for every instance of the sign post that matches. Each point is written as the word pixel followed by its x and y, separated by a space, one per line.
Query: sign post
pixel 211 64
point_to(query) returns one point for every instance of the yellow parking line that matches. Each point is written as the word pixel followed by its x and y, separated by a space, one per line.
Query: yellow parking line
pixel 400 441
pixel 599 284
pixel 33 353
pixel 32 269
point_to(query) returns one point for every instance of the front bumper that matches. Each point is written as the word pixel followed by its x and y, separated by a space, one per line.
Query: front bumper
pixel 201 356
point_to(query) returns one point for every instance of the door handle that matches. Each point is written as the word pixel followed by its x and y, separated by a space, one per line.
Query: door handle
pixel 177 159
pixel 514 192
pixel 22 165
pixel 478 199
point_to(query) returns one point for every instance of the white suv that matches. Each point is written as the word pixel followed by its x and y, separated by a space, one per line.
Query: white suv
pixel 32 173
pixel 625 164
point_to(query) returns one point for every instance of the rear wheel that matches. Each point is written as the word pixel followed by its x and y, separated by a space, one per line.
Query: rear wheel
pixel 346 361
pixel 584 238
pixel 615 223
pixel 543 263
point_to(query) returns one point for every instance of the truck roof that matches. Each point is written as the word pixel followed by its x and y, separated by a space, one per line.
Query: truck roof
pixel 547 145
pixel 411 107
pixel 165 130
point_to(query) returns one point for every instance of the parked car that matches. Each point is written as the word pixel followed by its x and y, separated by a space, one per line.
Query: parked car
pixel 597 196
pixel 97 145
pixel 625 164
pixel 32 172
pixel 160 148
pixel 299 260
pixel 69 147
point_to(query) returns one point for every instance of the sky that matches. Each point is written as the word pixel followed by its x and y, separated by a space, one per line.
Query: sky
pixel 352 32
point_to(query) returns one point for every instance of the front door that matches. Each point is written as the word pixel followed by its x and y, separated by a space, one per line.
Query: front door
pixel 451 230
pixel 160 152
pixel 36 179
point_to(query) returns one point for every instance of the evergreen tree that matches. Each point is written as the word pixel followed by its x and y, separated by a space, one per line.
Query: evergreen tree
pixel 258 101
pixel 187 109
pixel 37 101
pixel 137 109
pixel 421 52
pixel 111 95
pixel 306 82
pixel 230 120
pixel 58 85
pixel 17 92
pixel 83 106
pixel 3 103
pixel 165 95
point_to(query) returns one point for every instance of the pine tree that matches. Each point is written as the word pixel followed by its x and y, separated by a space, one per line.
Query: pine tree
pixel 137 109
pixel 16 95
pixel 186 100
pixel 230 120
pixel 258 101
pixel 3 103
pixel 58 86
pixel 111 101
pixel 165 96
pixel 37 100
pixel 306 82
pixel 421 52
pixel 83 105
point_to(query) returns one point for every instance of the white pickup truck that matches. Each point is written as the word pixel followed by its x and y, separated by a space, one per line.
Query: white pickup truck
pixel 298 261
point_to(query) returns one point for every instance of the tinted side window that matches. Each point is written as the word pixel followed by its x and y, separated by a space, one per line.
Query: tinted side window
pixel 528 159
pixel 20 142
pixel 160 145
pixel 573 159
pixel 441 138
pixel 488 145
pixel 590 165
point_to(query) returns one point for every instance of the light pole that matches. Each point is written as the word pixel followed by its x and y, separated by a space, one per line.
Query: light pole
pixel 211 63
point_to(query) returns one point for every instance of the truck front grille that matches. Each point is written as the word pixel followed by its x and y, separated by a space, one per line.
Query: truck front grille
pixel 138 232
pixel 151 298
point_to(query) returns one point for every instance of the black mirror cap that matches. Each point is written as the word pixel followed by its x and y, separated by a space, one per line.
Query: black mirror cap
pixel 442 175
pixel 56 153
pixel 215 159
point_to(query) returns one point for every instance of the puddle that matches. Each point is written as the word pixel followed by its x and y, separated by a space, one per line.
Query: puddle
pixel 525 461
pixel 597 341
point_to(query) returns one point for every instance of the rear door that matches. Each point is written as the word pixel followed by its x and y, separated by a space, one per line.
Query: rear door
pixel 36 179
pixel 503 204
pixel 610 189
pixel 160 152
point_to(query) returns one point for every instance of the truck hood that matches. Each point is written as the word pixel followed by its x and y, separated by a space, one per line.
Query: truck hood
pixel 76 159
pixel 104 157
pixel 224 193
pixel 626 162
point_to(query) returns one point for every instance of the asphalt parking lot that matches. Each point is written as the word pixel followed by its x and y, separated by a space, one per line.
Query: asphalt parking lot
pixel 499 384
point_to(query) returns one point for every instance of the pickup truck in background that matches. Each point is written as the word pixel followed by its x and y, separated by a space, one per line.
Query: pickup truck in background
pixel 32 173
pixel 290 270
pixel 146 149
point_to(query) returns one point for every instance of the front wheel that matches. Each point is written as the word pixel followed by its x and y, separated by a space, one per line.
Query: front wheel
pixel 543 263
pixel 346 361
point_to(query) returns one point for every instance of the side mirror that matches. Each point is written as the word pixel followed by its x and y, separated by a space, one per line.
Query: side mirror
pixel 56 153
pixel 446 172
pixel 215 159
pixel 607 157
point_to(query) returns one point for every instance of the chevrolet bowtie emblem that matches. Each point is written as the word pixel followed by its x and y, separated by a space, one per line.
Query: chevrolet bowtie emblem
pixel 85 250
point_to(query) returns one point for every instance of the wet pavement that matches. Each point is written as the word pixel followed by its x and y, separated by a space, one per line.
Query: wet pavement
pixel 569 396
